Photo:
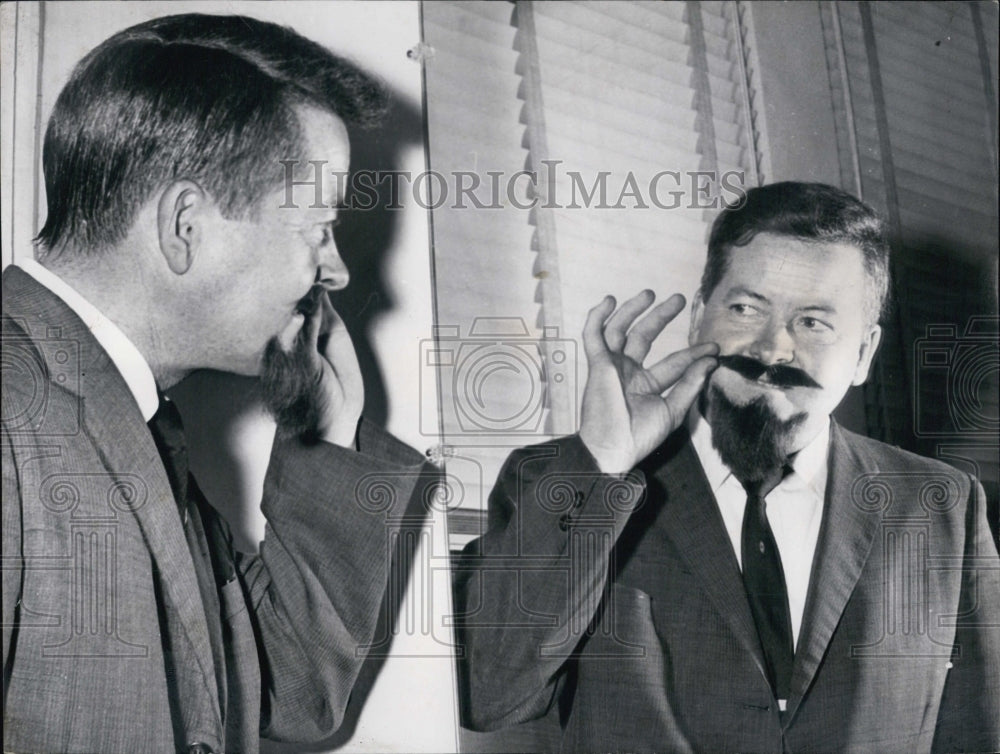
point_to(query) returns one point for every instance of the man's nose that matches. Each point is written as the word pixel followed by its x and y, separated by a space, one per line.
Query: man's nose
pixel 774 344
pixel 332 271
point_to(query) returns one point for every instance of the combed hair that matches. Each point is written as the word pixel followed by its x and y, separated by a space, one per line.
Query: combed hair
pixel 810 212
pixel 205 98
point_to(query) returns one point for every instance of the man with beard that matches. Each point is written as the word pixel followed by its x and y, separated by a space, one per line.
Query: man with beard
pixel 712 564
pixel 129 621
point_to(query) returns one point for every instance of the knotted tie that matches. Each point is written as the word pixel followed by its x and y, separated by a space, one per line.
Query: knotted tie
pixel 168 433
pixel 764 581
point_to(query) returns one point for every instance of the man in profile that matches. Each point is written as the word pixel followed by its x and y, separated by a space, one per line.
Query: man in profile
pixel 129 621
pixel 712 563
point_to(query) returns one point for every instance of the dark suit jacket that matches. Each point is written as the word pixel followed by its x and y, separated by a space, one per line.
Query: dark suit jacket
pixel 122 632
pixel 632 617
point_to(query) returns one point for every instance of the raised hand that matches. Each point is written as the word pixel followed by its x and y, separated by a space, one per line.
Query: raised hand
pixel 629 409
pixel 343 386
pixel 318 336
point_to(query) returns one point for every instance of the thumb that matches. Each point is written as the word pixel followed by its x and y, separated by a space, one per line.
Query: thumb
pixel 286 338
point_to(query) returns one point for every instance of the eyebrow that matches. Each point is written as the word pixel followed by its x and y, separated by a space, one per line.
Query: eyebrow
pixel 740 290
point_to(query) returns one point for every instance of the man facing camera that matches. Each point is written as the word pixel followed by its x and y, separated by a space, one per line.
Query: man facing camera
pixel 129 621
pixel 712 563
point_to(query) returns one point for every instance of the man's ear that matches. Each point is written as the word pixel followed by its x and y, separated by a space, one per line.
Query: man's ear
pixel 180 213
pixel 869 347
pixel 697 309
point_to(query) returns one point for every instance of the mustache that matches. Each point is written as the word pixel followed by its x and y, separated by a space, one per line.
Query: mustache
pixel 779 375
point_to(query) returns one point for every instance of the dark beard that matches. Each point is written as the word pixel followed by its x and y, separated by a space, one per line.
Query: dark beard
pixel 289 383
pixel 750 439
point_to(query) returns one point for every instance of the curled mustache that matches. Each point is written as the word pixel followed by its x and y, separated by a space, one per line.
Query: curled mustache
pixel 779 375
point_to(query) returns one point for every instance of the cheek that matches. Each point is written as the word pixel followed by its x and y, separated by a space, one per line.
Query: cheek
pixel 731 338
pixel 835 363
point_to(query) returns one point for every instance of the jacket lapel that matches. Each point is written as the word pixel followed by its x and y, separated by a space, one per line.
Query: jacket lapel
pixel 846 535
pixel 693 523
pixel 112 420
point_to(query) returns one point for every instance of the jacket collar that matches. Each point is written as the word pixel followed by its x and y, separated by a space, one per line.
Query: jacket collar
pixel 112 419
pixel 845 540
pixel 131 364
pixel 694 526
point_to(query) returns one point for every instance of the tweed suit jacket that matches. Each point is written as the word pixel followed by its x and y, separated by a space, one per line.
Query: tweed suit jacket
pixel 627 610
pixel 124 631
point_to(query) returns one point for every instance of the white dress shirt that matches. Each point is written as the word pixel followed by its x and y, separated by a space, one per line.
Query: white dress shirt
pixel 133 368
pixel 794 507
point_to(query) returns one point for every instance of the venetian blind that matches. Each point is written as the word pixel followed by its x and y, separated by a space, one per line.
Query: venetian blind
pixel 919 123
pixel 629 116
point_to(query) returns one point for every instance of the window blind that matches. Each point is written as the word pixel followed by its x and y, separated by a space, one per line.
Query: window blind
pixel 918 118
pixel 627 115
pixel 640 98
pixel 483 284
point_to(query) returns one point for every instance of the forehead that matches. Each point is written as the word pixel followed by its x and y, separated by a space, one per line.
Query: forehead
pixel 324 135
pixel 324 160
pixel 786 269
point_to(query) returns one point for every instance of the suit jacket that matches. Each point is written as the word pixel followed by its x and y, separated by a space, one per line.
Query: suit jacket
pixel 125 631
pixel 621 601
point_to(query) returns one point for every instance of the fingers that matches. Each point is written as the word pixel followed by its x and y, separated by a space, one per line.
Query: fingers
pixel 339 349
pixel 647 329
pixel 680 398
pixel 593 335
pixel 669 370
pixel 313 325
pixel 618 324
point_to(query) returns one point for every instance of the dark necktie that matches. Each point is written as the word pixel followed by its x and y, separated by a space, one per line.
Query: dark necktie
pixel 168 433
pixel 764 581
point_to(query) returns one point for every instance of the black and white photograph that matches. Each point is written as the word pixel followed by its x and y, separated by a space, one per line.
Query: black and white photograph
pixel 484 376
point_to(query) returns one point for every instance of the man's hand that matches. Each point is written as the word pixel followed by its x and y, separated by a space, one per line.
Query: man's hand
pixel 625 412
pixel 341 393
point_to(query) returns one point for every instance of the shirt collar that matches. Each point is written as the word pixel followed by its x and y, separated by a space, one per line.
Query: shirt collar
pixel 127 359
pixel 809 464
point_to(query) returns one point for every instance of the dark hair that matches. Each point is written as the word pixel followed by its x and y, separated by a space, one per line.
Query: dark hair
pixel 207 98
pixel 808 211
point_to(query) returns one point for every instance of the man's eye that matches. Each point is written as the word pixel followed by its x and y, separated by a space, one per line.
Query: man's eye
pixel 811 323
pixel 743 310
pixel 816 330
pixel 324 233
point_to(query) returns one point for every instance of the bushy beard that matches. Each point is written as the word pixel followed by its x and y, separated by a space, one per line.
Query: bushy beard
pixel 750 438
pixel 290 384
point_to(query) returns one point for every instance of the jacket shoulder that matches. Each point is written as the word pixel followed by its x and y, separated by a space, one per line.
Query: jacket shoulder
pixel 38 376
pixel 885 464
pixel 887 457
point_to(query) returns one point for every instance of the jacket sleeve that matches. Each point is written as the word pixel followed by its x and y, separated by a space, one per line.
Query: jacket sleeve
pixel 527 590
pixel 317 586
pixel 12 561
pixel 969 715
